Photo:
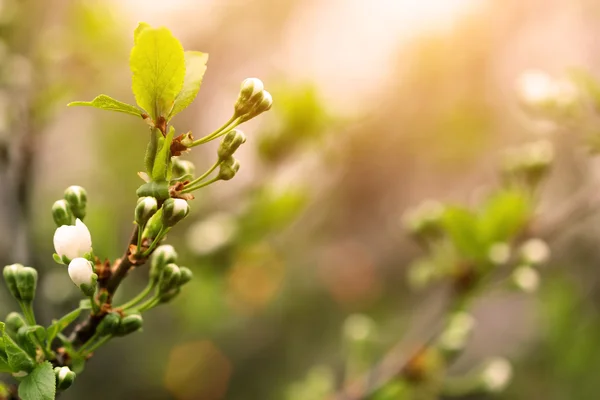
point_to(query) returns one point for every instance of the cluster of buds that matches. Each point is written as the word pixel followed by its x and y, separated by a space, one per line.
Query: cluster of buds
pixel 21 282
pixel 113 324
pixel 252 100
pixel 528 165
pixel 73 205
pixel 166 274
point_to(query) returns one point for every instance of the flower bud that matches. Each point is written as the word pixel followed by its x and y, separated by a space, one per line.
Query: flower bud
pixel 231 142
pixel 72 241
pixel 129 324
pixel 109 324
pixel 162 256
pixel 185 275
pixel 14 322
pixel 228 168
pixel 169 278
pixel 10 277
pixel 496 375
pixel 535 252
pixel 183 170
pixel 64 377
pixel 251 87
pixel 82 274
pixel 170 295
pixel 61 213
pixel 525 279
pixel 76 196
pixel 146 208
pixel 27 278
pixel 174 210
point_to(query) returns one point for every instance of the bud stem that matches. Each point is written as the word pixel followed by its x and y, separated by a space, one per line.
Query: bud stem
pixel 233 121
pixel 139 297
pixel 149 304
pixel 161 233
pixel 204 175
pixel 201 185
pixel 28 312
pixel 85 349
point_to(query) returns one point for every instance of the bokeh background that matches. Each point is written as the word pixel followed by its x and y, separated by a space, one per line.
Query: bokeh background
pixel 377 106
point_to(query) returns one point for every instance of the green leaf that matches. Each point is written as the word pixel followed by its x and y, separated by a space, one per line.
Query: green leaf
pixel 504 216
pixel 158 65
pixel 61 324
pixel 85 304
pixel 461 226
pixel 195 67
pixel 4 367
pixel 105 102
pixel 39 384
pixel 140 28
pixel 17 358
pixel 162 161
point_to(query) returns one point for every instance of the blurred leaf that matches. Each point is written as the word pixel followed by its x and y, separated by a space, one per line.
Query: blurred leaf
pixel 195 67
pixel 462 227
pixel 158 65
pixel 105 102
pixel 39 384
pixel 504 215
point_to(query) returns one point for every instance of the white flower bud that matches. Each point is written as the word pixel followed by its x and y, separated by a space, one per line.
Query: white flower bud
pixel 526 279
pixel 146 208
pixel 72 241
pixel 496 375
pixel 64 377
pixel 80 271
pixel 258 105
pixel 61 213
pixel 251 87
pixel 174 210
pixel 535 251
pixel 231 142
pixel 162 256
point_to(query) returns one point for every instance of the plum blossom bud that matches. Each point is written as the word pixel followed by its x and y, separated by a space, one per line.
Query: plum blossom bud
pixel 146 208
pixel 526 279
pixel 129 324
pixel 61 213
pixel 231 142
pixel 64 377
pixel 262 102
pixel 185 275
pixel 250 89
pixel 14 322
pixel 183 169
pixel 162 256
pixel 170 295
pixel 228 168
pixel 82 274
pixel 21 281
pixel 496 375
pixel 174 210
pixel 169 278
pixel 76 196
pixel 72 241
pixel 109 324
pixel 535 251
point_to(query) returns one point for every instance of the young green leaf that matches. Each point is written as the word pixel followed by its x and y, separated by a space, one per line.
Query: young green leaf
pixel 61 324
pixel 139 29
pixel 105 102
pixel 162 162
pixel 195 67
pixel 40 384
pixel 17 358
pixel 157 62
pixel 4 367
pixel 462 228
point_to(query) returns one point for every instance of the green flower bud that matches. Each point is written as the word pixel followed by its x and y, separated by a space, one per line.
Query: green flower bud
pixel 76 196
pixel 129 324
pixel 183 170
pixel 261 103
pixel 231 142
pixel 146 208
pixel 64 377
pixel 14 322
pixel 170 295
pixel 228 168
pixel 162 256
pixel 10 277
pixel 169 278
pixel 185 275
pixel 250 89
pixel 27 283
pixel 61 213
pixel 174 210
pixel 109 324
